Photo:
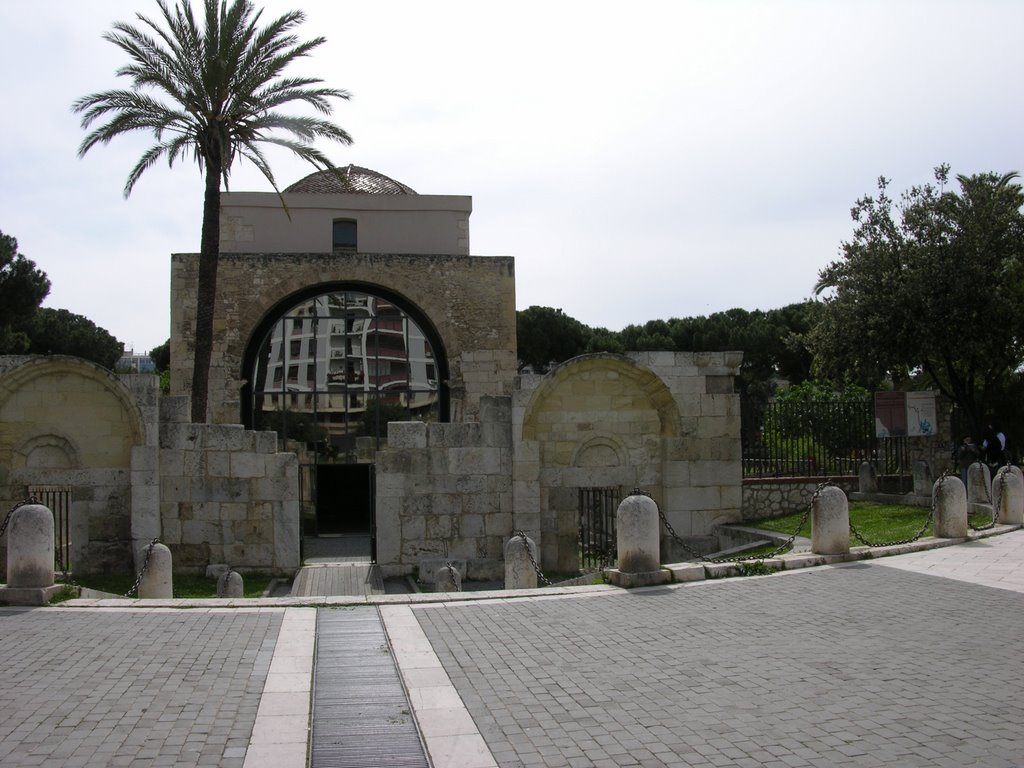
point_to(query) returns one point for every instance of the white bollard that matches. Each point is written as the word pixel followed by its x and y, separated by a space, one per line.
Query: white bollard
pixel 923 480
pixel 157 582
pixel 30 547
pixel 830 522
pixel 448 579
pixel 950 499
pixel 979 483
pixel 867 478
pixel 230 584
pixel 519 570
pixel 1008 497
pixel 637 535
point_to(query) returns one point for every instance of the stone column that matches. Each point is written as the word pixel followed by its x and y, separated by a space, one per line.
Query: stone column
pixel 867 480
pixel 979 483
pixel 637 535
pixel 950 499
pixel 519 570
pixel 1008 497
pixel 830 522
pixel 230 584
pixel 157 581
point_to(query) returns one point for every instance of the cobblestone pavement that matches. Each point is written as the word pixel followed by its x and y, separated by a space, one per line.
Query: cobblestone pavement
pixel 857 665
pixel 131 687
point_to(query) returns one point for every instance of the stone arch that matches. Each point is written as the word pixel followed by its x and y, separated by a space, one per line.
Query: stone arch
pixel 65 405
pixel 598 421
pixel 272 315
pixel 49 451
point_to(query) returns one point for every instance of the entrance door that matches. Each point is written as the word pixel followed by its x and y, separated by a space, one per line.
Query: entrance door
pixel 344 499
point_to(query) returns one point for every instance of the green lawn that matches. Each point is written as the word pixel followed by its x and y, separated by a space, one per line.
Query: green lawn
pixel 878 523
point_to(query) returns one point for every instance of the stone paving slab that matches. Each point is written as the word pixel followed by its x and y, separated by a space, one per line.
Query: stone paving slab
pixel 134 687
pixel 853 665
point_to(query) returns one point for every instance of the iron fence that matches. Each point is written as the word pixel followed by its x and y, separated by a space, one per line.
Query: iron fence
pixel 597 538
pixel 826 439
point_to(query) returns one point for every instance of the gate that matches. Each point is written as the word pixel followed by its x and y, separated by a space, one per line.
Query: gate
pixel 597 545
pixel 58 499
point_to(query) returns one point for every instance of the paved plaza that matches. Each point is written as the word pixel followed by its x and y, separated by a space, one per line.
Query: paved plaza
pixel 910 660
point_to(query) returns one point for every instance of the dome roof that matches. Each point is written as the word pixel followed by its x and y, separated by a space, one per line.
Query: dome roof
pixel 348 180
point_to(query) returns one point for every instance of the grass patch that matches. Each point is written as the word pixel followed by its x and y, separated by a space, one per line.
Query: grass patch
pixel 185 585
pixel 878 523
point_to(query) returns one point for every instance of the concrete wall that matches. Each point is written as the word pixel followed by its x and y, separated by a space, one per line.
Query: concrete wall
pixel 469 300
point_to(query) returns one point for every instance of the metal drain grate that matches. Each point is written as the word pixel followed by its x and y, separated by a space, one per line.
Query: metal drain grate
pixel 361 715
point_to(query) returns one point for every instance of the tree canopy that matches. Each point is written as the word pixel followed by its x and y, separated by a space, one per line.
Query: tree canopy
pixel 212 92
pixel 23 286
pixel 60 332
pixel 929 290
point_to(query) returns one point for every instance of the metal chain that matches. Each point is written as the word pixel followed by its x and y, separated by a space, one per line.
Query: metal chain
pixel 529 552
pixel 704 558
pixel 142 572
pixel 7 520
pixel 455 577
pixel 927 523
pixel 988 498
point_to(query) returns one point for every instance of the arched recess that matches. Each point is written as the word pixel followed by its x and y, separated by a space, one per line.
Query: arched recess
pixel 334 354
pixel 49 451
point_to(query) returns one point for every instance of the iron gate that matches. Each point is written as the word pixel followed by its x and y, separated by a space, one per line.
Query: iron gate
pixel 57 498
pixel 597 507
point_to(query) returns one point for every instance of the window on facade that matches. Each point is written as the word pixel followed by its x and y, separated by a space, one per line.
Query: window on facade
pixel 345 234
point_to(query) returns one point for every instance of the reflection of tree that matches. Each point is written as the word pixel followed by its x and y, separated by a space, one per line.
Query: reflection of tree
pixel 291 425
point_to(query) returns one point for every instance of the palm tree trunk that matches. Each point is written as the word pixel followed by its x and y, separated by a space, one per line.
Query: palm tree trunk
pixel 206 291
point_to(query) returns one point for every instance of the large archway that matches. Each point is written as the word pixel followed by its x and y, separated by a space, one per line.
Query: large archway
pixel 327 370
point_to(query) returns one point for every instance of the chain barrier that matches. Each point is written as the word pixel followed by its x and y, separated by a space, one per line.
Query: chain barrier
pixel 142 571
pixel 529 552
pixel 927 523
pixel 454 574
pixel 788 543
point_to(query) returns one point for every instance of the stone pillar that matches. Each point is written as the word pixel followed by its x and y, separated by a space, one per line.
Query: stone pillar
pixel 230 584
pixel 519 570
pixel 30 547
pixel 157 582
pixel 447 579
pixel 830 522
pixel 923 479
pixel 867 481
pixel 979 483
pixel 637 534
pixel 29 557
pixel 950 499
pixel 1008 497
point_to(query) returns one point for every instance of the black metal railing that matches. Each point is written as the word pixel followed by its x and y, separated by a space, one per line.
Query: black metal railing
pixel 597 543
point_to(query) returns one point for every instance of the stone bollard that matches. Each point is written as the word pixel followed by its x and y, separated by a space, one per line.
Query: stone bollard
pixel 867 479
pixel 449 580
pixel 230 584
pixel 923 480
pixel 29 557
pixel 830 522
pixel 156 582
pixel 1008 497
pixel 950 499
pixel 979 483
pixel 519 570
pixel 637 535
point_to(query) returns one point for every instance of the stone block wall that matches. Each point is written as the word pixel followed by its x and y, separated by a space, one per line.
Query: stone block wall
pixel 767 498
pixel 225 496
pixel 446 490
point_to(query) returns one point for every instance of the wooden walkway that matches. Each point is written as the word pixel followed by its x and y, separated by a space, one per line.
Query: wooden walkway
pixel 337 566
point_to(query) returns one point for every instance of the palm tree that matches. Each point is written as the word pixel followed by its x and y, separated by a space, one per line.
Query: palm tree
pixel 217 93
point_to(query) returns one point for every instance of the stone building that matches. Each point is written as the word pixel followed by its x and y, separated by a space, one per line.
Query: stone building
pixel 365 384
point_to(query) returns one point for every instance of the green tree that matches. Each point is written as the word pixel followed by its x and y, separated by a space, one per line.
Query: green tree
pixel 546 336
pixel 213 93
pixel 161 356
pixel 23 286
pixel 60 332
pixel 928 292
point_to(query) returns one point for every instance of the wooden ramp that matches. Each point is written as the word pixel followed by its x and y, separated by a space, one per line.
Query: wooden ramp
pixel 320 579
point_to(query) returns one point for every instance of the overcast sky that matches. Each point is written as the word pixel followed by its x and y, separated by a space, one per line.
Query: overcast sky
pixel 639 160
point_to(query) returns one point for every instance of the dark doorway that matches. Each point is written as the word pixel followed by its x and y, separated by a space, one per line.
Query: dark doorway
pixel 344 499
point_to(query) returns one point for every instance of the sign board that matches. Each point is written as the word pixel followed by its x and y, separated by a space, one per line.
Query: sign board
pixel 920 414
pixel 890 414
